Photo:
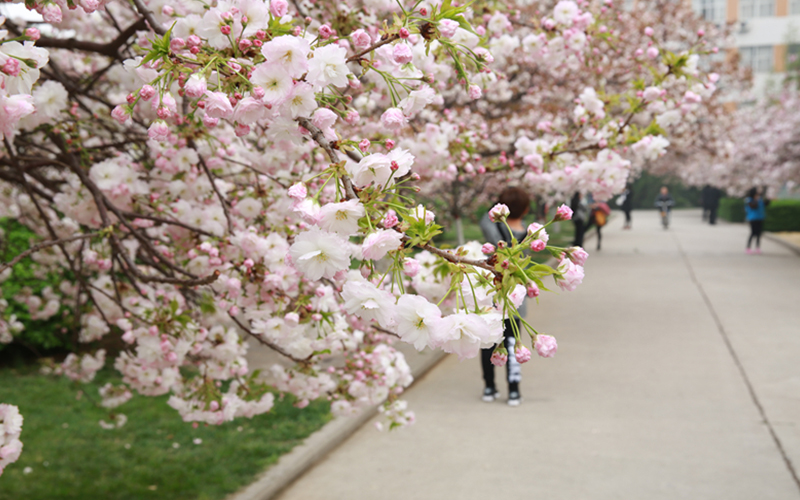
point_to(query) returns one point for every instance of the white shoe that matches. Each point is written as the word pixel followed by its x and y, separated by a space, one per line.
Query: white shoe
pixel 489 395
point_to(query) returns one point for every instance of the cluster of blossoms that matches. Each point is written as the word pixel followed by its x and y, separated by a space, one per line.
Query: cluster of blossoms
pixel 10 429
pixel 576 101
pixel 755 145
pixel 247 171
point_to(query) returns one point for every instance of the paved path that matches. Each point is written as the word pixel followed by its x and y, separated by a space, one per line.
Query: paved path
pixel 677 377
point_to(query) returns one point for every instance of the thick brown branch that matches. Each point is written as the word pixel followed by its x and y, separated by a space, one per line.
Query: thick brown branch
pixel 151 20
pixel 110 49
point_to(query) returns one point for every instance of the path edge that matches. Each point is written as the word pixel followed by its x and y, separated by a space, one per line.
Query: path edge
pixel 316 446
pixel 788 244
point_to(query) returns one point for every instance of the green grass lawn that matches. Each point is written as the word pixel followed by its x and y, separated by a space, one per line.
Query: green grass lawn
pixel 152 457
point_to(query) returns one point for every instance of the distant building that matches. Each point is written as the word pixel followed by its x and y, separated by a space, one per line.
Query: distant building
pixel 767 34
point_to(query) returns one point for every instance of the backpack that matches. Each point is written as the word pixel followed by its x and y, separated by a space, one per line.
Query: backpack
pixel 600 218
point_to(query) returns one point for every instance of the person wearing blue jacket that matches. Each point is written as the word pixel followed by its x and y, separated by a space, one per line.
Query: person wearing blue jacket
pixel 755 206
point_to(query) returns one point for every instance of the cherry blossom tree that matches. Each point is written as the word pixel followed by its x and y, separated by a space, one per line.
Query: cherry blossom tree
pixel 200 176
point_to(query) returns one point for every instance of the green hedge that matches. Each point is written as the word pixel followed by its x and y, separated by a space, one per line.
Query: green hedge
pixel 783 215
pixel 39 336
pixel 731 209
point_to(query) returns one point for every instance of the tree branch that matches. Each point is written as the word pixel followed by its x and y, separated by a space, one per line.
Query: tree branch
pixel 42 245
pixel 151 20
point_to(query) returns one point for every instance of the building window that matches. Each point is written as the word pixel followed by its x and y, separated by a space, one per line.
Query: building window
pixel 794 7
pixel 712 10
pixel 757 8
pixel 793 57
pixel 760 59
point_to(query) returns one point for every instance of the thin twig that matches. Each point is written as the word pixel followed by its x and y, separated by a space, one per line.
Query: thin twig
pixel 389 39
pixel 42 245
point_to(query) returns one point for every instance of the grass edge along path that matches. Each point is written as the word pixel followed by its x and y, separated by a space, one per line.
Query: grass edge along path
pixel 154 456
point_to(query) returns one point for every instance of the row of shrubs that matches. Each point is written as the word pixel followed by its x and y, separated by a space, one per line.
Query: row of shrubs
pixel 782 215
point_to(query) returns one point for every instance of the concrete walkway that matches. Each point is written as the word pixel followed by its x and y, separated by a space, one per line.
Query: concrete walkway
pixel 677 377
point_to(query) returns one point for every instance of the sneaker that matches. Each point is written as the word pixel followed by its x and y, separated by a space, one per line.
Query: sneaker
pixel 748 251
pixel 490 394
pixel 514 398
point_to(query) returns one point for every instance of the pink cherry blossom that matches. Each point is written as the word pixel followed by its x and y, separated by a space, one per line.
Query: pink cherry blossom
pixel 546 346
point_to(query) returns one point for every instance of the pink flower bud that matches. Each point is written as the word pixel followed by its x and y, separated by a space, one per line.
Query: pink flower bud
pixel 352 117
pixel 402 53
pixel 648 31
pixel 701 32
pixel 225 29
pixel 194 41
pixel 210 122
pixel 11 67
pixel 242 130
pixel 474 92
pixel 577 255
pixel 563 213
pixel 499 213
pixel 364 145
pixel 52 13
pixel 177 44
pixel 499 358
pixel 522 354
pixel 390 219
pixel 403 33
pixel 147 92
pixel 393 119
pixel 487 249
pixel 447 28
pixel 652 52
pixel 120 114
pixel 245 44
pixel 389 144
pixel 158 131
pixel 538 245
pixel 33 33
pixel 532 290
pixel 546 346
pixel 325 31
pixel 298 191
pixel 411 267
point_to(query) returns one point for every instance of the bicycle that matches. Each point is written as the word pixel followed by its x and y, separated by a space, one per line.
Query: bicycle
pixel 664 206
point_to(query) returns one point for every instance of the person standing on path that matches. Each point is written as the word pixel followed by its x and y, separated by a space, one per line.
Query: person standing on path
pixel 626 204
pixel 580 213
pixel 712 201
pixel 755 207
pixel 598 216
pixel 518 203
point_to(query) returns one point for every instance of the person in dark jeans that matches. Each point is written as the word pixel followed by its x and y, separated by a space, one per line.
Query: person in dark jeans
pixel 580 212
pixel 518 203
pixel 755 207
pixel 704 201
pixel 712 202
pixel 513 369
pixel 627 206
